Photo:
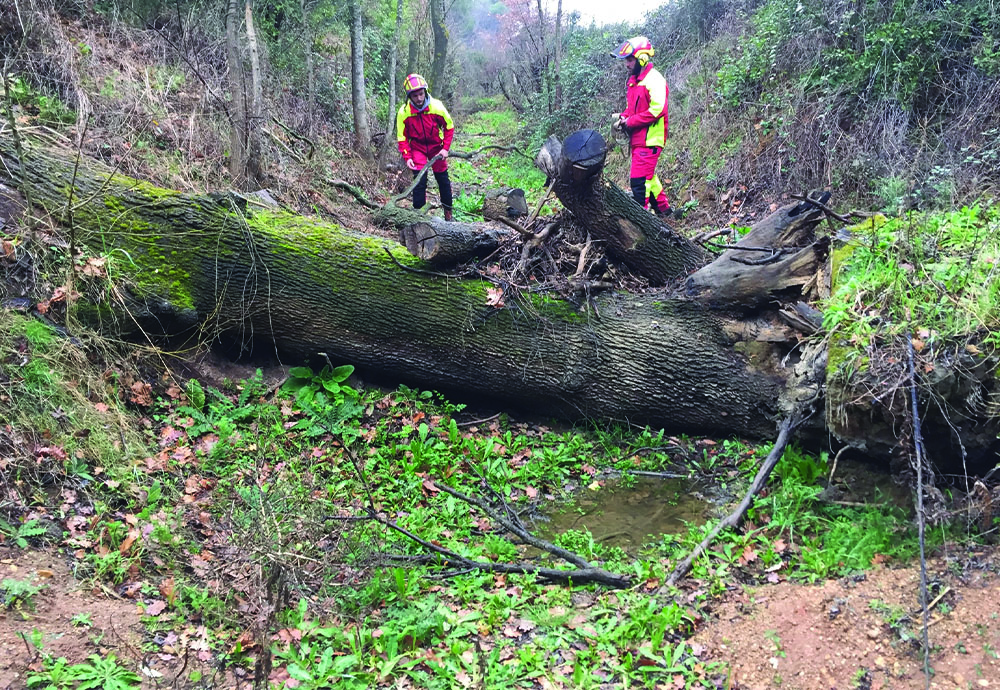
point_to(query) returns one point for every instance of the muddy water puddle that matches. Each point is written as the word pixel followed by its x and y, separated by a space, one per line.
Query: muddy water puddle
pixel 628 512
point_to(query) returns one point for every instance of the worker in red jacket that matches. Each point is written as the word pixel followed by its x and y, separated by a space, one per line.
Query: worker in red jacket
pixel 645 121
pixel 424 129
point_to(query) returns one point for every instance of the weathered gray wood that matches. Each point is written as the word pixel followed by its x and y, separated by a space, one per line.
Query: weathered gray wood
pixel 729 282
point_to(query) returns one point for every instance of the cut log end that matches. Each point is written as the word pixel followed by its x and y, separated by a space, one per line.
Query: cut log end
pixel 444 243
pixel 420 239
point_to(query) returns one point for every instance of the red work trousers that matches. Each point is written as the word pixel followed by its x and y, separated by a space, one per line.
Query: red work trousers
pixel 644 160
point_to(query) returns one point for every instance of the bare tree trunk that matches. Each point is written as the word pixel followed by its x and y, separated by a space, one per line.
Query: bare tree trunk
pixel 256 110
pixel 358 99
pixel 558 56
pixel 508 93
pixel 440 45
pixel 632 236
pixel 544 60
pixel 310 68
pixel 390 133
pixel 238 123
pixel 411 57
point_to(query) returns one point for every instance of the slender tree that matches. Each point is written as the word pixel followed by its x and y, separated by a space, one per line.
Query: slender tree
pixel 557 56
pixel 359 101
pixel 411 56
pixel 255 114
pixel 440 45
pixel 390 134
pixel 545 56
pixel 307 48
pixel 237 131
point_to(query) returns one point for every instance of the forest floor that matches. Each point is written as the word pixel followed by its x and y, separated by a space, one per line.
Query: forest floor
pixel 861 632
pixel 858 632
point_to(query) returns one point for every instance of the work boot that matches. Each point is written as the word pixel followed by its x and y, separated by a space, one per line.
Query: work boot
pixel 448 216
pixel 663 215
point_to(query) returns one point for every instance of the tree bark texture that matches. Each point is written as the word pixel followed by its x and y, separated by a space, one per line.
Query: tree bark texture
pixel 238 122
pixel 215 265
pixel 632 236
pixel 359 101
pixel 440 46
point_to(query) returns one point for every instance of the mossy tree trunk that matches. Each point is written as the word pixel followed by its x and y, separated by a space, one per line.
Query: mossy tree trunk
pixel 218 266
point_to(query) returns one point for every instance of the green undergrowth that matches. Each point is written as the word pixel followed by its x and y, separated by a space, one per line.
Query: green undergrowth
pixel 254 502
pixel 492 169
pixel 933 277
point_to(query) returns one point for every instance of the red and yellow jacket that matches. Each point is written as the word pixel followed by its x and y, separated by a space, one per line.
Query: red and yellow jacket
pixel 427 131
pixel 646 108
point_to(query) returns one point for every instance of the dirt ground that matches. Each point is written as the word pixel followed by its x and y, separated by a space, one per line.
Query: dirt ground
pixel 105 623
pixel 846 634
pixel 836 635
pixel 115 623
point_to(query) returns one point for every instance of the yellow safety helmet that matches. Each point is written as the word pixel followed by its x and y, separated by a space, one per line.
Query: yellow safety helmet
pixel 414 82
pixel 639 47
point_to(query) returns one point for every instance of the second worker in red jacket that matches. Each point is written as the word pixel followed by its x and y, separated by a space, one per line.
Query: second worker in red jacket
pixel 424 129
pixel 645 121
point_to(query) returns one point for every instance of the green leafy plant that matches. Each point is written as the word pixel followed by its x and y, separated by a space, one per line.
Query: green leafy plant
pixel 329 402
pixel 50 108
pixel 82 620
pixel 23 532
pixel 95 674
pixel 213 410
pixel 19 593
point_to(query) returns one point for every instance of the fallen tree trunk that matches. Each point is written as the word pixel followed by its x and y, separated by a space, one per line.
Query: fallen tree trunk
pixel 219 266
pixel 632 236
pixel 214 266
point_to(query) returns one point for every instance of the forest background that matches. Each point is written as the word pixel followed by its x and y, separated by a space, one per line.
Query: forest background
pixel 891 104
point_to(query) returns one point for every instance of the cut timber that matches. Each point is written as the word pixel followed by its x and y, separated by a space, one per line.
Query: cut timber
pixel 444 243
pixel 632 236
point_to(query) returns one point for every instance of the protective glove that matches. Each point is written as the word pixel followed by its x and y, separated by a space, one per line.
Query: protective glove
pixel 411 165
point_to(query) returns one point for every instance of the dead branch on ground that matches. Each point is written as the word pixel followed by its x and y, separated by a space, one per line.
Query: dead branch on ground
pixel 469 154
pixel 582 575
pixel 785 430
pixel 918 447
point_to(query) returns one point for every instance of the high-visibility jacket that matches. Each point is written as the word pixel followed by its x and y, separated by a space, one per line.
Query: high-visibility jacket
pixel 427 131
pixel 646 108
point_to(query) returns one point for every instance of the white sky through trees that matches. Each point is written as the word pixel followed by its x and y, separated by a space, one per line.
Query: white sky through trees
pixel 604 11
